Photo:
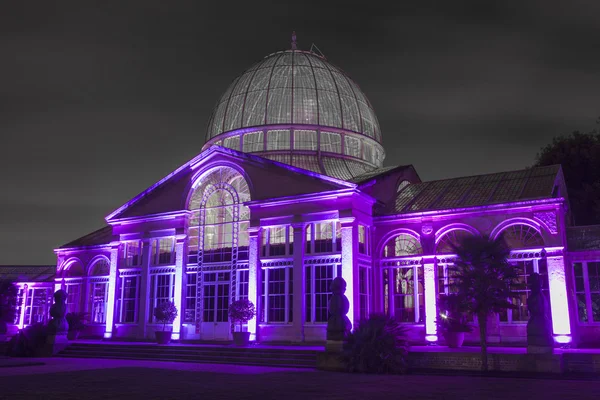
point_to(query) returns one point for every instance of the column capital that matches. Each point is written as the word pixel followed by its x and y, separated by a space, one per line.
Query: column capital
pixel 347 222
pixel 180 238
pixel 253 230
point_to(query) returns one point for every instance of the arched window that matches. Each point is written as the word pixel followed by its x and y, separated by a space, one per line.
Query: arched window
pixel 73 275
pixel 451 239
pixel 98 280
pixel 218 234
pixel 521 236
pixel 402 245
pixel 404 285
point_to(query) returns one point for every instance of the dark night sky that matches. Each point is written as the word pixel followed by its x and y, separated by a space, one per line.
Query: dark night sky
pixel 100 100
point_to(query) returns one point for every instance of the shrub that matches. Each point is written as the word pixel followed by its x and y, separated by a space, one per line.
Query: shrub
pixel 8 304
pixel 241 311
pixel 165 313
pixel 76 321
pixel 377 345
pixel 29 342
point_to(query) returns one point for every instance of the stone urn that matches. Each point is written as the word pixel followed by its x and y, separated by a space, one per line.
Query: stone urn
pixel 163 337
pixel 241 338
pixel 454 340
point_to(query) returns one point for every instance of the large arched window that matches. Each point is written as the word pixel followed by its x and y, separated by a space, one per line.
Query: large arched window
pixel 98 294
pixel 73 276
pixel 403 284
pixel 518 237
pixel 217 235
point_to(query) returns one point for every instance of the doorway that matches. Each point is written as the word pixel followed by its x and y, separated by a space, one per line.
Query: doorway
pixel 215 320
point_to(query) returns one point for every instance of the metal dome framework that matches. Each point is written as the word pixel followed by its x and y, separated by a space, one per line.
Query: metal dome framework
pixel 296 108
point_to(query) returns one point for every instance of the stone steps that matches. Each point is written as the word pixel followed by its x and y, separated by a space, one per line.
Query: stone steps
pixel 195 354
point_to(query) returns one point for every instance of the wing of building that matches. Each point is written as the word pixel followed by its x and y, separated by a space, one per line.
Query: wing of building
pixel 289 192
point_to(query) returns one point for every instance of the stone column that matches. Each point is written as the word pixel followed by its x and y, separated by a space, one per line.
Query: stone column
pixel 350 267
pixel 112 286
pixel 430 298
pixel 178 289
pixel 299 288
pixel 23 306
pixel 559 305
pixel 145 310
pixel 254 279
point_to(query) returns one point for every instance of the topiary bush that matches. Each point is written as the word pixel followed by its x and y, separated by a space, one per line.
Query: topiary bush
pixel 165 313
pixel 377 345
pixel 241 311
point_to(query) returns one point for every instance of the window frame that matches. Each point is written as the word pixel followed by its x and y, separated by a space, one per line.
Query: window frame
pixel 587 292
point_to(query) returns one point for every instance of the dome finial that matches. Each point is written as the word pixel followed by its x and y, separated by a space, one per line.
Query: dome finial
pixel 294 47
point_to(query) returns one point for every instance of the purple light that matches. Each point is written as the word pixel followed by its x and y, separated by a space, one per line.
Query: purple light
pixel 112 282
pixel 562 339
pixel 178 287
pixel 430 298
pixel 348 263
pixel 253 277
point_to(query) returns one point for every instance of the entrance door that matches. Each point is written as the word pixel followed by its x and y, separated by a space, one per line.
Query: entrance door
pixel 215 321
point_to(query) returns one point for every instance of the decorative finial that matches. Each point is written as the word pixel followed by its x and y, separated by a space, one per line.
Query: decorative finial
pixel 294 47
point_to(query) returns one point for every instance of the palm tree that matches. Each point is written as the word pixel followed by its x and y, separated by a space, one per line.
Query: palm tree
pixel 486 279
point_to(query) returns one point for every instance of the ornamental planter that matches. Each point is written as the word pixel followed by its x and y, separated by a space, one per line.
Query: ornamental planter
pixel 241 338
pixel 163 337
pixel 454 340
pixel 72 335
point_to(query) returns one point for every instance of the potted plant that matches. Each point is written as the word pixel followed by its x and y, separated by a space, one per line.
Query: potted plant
pixel 452 319
pixel 165 313
pixel 76 323
pixel 241 311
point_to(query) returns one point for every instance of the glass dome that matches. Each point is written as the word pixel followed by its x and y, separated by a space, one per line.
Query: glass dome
pixel 295 107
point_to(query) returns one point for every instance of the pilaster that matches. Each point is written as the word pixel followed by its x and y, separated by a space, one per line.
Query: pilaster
pixel 144 299
pixel 350 267
pixel 254 279
pixel 112 286
pixel 299 288
pixel 430 298
pixel 178 289
pixel 561 324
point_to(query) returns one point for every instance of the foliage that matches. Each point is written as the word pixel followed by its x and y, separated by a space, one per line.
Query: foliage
pixel 485 278
pixel 76 321
pixel 8 304
pixel 165 313
pixel 29 342
pixel 579 155
pixel 241 311
pixel 452 315
pixel 377 345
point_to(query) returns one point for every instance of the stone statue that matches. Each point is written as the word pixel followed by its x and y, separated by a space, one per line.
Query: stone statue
pixel 58 324
pixel 338 324
pixel 539 326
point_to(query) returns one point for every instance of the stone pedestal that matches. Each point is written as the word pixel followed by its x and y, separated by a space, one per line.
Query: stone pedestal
pixel 54 345
pixel 335 346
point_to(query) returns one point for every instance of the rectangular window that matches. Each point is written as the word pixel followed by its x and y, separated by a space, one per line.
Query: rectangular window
pixel 127 303
pixel 190 298
pixel 253 141
pixel 242 282
pixel 98 300
pixel 309 230
pixel 331 142
pixel 161 291
pixel 36 306
pixel 318 291
pixel 587 291
pixel 133 253
pixel 362 239
pixel 408 303
pixel 363 291
pixel 163 251
pixel 277 241
pixel 323 237
pixel 305 140
pixel 277 295
pixel 243 241
pixel 73 296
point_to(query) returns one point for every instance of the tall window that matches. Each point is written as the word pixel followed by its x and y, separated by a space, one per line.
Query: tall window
pixel 128 299
pixel 318 290
pixel 163 251
pixel 162 290
pixel 277 241
pixel 217 214
pixel 73 282
pixel 323 237
pixel 242 282
pixel 363 247
pixel 190 297
pixel 99 291
pixel 364 291
pixel 277 295
pixel 587 291
pixel 403 286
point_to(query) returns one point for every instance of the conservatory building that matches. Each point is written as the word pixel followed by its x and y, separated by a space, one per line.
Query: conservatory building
pixel 289 192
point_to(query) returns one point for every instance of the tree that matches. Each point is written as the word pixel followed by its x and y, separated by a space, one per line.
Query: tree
pixel 485 279
pixel 579 155
pixel 8 304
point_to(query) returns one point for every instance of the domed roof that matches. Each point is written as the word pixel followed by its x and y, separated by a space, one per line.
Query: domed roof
pixel 294 87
